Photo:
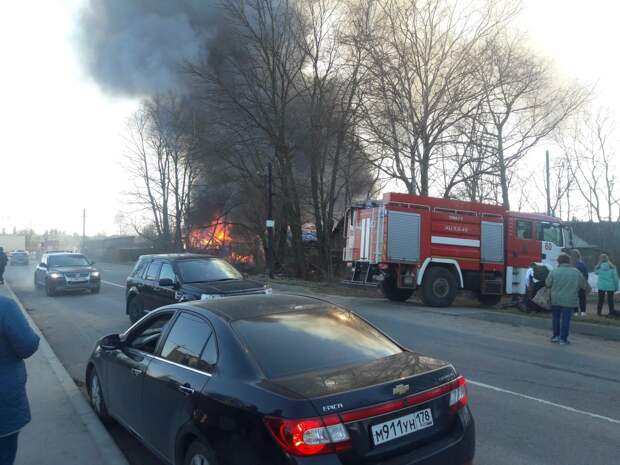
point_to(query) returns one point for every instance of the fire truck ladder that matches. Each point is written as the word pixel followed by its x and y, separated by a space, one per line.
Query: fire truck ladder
pixel 491 284
pixel 361 274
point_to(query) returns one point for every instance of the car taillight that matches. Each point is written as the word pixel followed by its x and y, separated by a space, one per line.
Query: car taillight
pixel 310 436
pixel 458 395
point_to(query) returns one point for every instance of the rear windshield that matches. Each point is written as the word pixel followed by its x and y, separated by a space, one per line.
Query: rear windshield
pixel 67 260
pixel 212 269
pixel 288 344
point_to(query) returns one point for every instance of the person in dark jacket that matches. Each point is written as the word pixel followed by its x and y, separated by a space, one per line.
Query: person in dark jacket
pixel 3 261
pixel 583 269
pixel 17 342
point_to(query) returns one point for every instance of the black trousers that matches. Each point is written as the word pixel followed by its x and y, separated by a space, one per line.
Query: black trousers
pixel 1 274
pixel 601 300
pixel 582 300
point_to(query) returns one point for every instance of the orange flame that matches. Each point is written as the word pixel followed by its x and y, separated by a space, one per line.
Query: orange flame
pixel 215 236
pixel 218 236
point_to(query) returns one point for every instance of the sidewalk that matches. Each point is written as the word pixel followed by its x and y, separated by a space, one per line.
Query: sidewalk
pixel 64 429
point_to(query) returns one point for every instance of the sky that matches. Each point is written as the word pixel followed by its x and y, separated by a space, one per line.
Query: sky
pixel 62 138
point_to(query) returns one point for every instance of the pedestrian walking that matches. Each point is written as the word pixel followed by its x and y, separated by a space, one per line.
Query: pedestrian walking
pixel 583 269
pixel 564 282
pixel 607 284
pixel 17 342
pixel 3 261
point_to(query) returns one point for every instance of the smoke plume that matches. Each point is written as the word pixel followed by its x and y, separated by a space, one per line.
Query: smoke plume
pixel 136 47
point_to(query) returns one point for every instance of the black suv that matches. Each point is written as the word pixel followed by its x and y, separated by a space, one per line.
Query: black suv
pixel 159 280
pixel 66 272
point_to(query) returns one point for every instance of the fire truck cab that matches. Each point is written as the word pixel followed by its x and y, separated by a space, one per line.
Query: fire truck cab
pixel 405 243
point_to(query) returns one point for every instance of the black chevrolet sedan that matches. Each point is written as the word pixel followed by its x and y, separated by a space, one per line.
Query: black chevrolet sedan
pixel 278 380
pixel 164 279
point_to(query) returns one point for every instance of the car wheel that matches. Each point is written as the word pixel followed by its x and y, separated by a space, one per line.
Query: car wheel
pixel 199 454
pixel 135 309
pixel 95 290
pixel 439 287
pixel 96 397
pixel 49 289
pixel 393 293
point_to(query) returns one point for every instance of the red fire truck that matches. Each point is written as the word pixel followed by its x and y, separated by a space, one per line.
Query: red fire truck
pixel 405 243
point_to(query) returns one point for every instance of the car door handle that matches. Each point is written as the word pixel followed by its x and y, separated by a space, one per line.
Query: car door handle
pixel 136 372
pixel 186 389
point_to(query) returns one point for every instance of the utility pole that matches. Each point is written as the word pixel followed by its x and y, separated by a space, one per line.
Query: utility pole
pixel 83 229
pixel 548 183
pixel 270 223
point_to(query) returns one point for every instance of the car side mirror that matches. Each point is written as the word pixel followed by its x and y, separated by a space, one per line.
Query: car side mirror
pixel 111 342
pixel 42 265
pixel 92 262
pixel 166 282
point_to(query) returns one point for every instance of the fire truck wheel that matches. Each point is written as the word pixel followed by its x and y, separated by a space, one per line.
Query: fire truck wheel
pixel 438 287
pixel 489 300
pixel 393 293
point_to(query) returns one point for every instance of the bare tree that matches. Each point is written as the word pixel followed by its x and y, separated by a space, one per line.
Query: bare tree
pixel 160 160
pixel 422 79
pixel 524 103
pixel 590 149
pixel 258 79
pixel 331 86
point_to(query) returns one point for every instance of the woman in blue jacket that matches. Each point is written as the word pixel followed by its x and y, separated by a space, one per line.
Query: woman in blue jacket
pixel 17 342
pixel 607 284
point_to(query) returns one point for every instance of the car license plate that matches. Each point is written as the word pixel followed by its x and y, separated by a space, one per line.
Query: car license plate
pixel 401 426
pixel 77 280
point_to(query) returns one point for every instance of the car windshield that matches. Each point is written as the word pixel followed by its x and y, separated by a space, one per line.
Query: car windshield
pixel 312 339
pixel 205 270
pixel 67 260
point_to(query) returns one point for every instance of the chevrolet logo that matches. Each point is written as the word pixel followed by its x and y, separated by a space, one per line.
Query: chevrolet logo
pixel 400 389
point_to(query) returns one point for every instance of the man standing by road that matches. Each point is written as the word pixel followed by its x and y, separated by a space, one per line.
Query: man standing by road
pixel 3 261
pixel 17 342
pixel 565 282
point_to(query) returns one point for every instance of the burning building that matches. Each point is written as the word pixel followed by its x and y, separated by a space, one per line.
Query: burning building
pixel 217 238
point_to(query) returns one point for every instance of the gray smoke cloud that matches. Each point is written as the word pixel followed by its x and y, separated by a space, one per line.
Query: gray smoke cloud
pixel 136 47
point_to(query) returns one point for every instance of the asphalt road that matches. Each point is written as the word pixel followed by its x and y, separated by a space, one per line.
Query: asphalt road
pixel 534 403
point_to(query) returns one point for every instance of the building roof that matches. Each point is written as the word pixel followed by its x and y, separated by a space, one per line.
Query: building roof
pixel 579 243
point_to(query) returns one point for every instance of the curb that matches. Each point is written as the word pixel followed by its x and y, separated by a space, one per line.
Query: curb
pixel 107 448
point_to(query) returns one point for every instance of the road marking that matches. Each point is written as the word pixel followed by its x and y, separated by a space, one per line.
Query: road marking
pixel 112 284
pixel 545 402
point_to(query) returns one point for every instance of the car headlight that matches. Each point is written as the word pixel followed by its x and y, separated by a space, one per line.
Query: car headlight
pixel 55 275
pixel 210 296
pixel 94 274
pixel 268 290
